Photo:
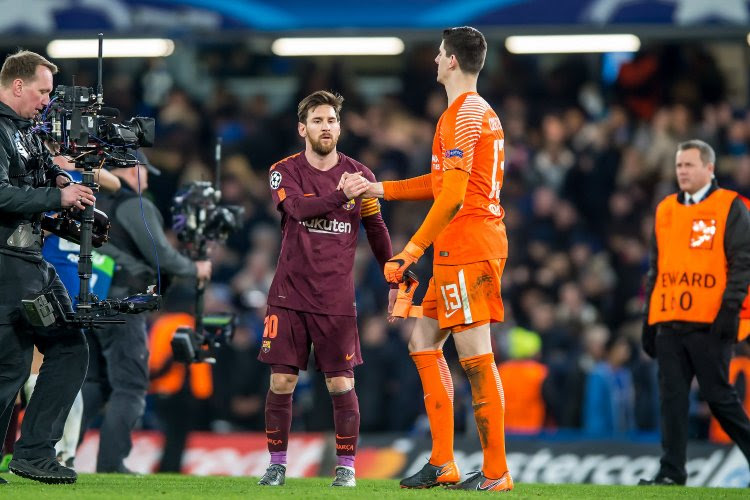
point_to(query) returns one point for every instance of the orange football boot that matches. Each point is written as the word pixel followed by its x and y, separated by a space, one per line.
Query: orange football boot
pixel 433 475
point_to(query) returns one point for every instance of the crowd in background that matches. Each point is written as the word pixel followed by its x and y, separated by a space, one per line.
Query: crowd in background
pixel 586 162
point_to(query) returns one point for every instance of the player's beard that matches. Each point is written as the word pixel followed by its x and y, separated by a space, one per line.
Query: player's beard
pixel 323 149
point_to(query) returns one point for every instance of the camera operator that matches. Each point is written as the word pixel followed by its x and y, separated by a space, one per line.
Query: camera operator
pixel 31 184
pixel 118 366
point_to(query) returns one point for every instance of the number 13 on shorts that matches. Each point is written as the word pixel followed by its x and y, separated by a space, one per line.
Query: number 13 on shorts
pixel 456 298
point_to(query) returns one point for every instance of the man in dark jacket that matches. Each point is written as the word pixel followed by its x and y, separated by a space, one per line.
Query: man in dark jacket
pixel 698 277
pixel 118 366
pixel 30 184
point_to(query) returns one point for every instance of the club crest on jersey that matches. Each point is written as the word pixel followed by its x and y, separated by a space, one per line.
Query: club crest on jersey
pixel 349 205
pixel 266 346
pixel 275 179
pixel 454 153
pixel 702 234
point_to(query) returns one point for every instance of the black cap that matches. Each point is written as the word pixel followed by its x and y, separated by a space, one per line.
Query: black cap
pixel 143 160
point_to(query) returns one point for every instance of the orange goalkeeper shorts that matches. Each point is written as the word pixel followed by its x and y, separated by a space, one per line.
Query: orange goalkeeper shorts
pixel 465 294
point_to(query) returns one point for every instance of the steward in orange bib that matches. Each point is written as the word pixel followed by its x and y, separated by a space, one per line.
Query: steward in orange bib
pixel 180 391
pixel 739 377
pixel 744 330
pixel 698 278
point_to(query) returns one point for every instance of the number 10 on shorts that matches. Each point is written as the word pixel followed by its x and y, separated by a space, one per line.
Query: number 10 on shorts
pixel 270 326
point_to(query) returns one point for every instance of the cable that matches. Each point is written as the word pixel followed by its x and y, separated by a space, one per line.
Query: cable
pixel 148 230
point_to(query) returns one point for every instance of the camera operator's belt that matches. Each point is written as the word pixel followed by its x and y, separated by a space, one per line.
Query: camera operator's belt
pixel 25 236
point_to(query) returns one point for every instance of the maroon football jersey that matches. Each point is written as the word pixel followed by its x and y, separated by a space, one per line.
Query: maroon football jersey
pixel 315 267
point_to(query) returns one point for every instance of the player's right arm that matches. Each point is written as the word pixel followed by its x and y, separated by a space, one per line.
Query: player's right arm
pixel 414 189
pixel 289 197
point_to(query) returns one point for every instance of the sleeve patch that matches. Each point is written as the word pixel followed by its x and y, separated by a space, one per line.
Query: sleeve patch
pixel 454 153
pixel 275 179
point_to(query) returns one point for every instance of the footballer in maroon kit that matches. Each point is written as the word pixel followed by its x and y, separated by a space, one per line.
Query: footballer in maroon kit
pixel 311 300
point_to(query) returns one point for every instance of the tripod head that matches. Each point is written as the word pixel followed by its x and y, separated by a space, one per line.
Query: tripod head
pixel 198 219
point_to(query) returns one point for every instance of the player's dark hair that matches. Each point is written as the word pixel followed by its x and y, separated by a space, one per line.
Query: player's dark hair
pixel 316 99
pixel 23 65
pixel 469 47
pixel 707 152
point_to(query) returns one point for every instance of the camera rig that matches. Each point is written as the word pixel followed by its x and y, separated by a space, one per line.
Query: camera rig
pixel 198 219
pixel 78 126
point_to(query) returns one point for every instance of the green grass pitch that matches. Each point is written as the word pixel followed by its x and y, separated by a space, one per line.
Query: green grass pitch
pixel 92 486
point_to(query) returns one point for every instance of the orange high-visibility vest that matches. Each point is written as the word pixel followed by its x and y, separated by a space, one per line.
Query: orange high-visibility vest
pixel 160 348
pixel 739 364
pixel 522 385
pixel 692 266
pixel 744 330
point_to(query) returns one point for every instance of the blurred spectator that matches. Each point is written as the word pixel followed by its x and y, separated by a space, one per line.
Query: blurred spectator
pixel 523 376
pixel 241 381
pixel 375 379
pixel 608 407
pixel 739 377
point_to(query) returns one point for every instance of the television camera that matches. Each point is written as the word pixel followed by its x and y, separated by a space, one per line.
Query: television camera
pixel 77 125
pixel 198 219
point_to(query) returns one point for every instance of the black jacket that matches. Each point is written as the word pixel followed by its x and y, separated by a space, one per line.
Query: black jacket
pixel 736 249
pixel 27 183
pixel 130 243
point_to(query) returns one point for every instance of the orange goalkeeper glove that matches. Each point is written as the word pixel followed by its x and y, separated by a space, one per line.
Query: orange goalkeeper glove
pixel 397 265
pixel 403 307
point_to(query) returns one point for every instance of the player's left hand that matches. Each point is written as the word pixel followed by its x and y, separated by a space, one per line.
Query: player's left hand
pixel 397 265
pixel 727 323
pixel 344 177
pixel 354 186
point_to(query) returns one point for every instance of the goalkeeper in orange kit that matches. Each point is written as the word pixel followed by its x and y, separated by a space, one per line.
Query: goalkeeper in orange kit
pixel 465 225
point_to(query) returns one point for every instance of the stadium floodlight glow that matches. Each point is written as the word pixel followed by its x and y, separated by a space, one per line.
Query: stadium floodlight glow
pixel 113 47
pixel 338 46
pixel 568 44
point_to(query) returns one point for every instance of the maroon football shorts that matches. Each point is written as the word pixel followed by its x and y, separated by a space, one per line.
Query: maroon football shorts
pixel 289 334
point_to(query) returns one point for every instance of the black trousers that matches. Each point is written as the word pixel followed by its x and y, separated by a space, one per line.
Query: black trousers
pixel 178 415
pixel 117 376
pixel 682 355
pixel 65 358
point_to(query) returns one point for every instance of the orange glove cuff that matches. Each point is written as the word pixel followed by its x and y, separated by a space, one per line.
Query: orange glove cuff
pixel 415 250
pixel 397 265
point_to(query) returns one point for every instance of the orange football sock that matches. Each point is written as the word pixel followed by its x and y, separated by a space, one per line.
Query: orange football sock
pixel 438 401
pixel 489 411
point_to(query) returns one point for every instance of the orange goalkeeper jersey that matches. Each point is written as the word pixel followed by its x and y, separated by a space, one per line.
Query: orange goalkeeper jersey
pixel 469 137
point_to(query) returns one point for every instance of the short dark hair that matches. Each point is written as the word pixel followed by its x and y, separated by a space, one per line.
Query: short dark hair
pixel 706 151
pixel 316 99
pixel 469 47
pixel 23 65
